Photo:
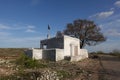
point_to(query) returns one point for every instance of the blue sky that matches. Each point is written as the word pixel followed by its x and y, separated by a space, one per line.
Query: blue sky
pixel 23 23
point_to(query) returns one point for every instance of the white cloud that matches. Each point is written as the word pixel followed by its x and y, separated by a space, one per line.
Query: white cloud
pixel 12 27
pixel 31 27
pixel 113 32
pixel 113 24
pixel 112 9
pixel 24 39
pixel 4 27
pixel 26 28
pixel 117 3
pixel 20 42
pixel 30 30
pixel 111 28
pixel 4 34
pixel 8 36
pixel 118 20
pixel 102 15
pixel 107 46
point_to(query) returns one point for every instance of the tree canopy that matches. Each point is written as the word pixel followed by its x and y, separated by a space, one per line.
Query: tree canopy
pixel 87 31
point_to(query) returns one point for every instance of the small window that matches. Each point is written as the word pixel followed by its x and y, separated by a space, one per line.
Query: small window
pixel 44 46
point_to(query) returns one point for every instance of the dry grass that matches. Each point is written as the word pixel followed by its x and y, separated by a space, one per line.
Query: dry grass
pixel 11 52
pixel 84 69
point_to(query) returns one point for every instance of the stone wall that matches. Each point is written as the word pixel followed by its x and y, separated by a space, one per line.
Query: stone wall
pixel 52 43
pixel 37 53
pixel 29 53
pixel 59 54
pixel 53 54
pixel 75 58
pixel 49 54
pixel 70 41
pixel 34 53
pixel 83 53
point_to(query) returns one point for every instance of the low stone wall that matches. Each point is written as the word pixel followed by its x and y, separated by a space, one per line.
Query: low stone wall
pixel 53 54
pixel 29 53
pixel 75 58
pixel 83 53
pixel 59 54
pixel 49 54
pixel 37 53
pixel 34 53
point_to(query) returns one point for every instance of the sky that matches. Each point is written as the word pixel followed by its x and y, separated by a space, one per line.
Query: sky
pixel 23 23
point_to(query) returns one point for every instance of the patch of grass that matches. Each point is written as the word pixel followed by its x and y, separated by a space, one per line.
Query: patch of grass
pixel 115 53
pixel 22 76
pixel 63 73
pixel 11 52
pixel 100 52
pixel 8 77
pixel 27 62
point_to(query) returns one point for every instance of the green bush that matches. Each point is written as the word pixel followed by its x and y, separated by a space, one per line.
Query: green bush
pixel 63 73
pixel 27 62
pixel 115 53
pixel 100 52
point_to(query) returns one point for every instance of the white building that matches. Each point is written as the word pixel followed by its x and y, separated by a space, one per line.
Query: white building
pixel 59 48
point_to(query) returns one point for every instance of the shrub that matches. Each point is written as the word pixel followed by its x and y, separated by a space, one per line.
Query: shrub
pixel 27 62
pixel 100 52
pixel 63 73
pixel 115 53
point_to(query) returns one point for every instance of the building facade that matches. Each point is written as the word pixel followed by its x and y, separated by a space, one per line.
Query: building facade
pixel 59 48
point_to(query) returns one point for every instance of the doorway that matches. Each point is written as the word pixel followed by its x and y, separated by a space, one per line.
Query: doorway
pixel 75 50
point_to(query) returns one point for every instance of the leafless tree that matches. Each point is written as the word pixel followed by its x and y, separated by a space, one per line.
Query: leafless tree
pixel 87 31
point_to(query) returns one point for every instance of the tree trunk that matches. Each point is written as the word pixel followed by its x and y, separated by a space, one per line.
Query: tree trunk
pixel 82 44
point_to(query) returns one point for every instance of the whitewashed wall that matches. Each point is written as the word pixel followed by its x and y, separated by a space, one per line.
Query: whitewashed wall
pixel 84 53
pixel 34 53
pixel 37 53
pixel 59 54
pixel 67 42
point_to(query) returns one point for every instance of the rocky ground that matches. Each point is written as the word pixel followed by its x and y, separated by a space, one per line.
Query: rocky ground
pixel 87 69
pixel 99 67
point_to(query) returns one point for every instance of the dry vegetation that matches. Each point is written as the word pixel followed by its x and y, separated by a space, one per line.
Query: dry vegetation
pixel 14 65
pixel 11 52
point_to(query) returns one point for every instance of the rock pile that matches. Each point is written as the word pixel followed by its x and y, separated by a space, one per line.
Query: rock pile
pixel 40 75
pixel 48 75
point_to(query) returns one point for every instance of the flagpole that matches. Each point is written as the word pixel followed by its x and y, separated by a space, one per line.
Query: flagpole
pixel 48 35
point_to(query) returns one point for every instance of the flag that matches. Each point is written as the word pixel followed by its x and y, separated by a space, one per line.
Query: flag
pixel 48 27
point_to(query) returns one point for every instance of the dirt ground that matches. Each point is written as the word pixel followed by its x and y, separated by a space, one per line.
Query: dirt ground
pixel 87 69
pixel 111 67
pixel 106 67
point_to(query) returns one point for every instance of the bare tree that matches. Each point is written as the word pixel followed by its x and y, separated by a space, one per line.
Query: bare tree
pixel 87 31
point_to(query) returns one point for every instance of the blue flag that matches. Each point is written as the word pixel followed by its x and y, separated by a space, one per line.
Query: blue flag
pixel 48 27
